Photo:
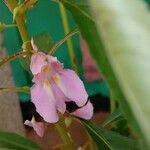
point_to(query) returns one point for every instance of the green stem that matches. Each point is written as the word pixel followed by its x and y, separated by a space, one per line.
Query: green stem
pixel 20 21
pixel 112 103
pixel 58 44
pixel 62 129
pixel 10 25
pixel 22 28
pixel 69 41
pixel 91 143
pixel 11 4
pixel 12 57
pixel 16 89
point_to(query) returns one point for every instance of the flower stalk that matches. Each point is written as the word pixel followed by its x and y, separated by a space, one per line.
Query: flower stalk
pixel 112 103
pixel 64 134
pixel 4 26
pixel 58 44
pixel 69 41
pixel 12 57
pixel 20 21
pixel 10 25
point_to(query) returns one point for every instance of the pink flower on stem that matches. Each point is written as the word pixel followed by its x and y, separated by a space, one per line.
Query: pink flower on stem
pixel 37 126
pixel 90 68
pixel 53 86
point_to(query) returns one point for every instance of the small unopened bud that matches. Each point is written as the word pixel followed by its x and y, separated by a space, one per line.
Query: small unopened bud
pixel 68 121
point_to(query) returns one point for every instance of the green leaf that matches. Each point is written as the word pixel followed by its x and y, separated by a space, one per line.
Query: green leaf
pixel 109 140
pixel 118 122
pixel 114 117
pixel 16 142
pixel 123 61
pixel 43 41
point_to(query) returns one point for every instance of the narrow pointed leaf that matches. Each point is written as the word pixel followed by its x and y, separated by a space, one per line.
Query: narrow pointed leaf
pixel 109 140
pixel 114 117
pixel 16 142
pixel 119 39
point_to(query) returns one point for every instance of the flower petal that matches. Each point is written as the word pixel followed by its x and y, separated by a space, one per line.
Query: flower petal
pixel 71 85
pixel 37 126
pixel 85 112
pixel 38 60
pixel 28 123
pixel 55 64
pixel 35 49
pixel 42 97
pixel 60 99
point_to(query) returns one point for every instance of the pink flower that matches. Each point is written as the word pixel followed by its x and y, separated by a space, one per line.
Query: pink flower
pixel 37 126
pixel 89 65
pixel 53 86
pixel 85 112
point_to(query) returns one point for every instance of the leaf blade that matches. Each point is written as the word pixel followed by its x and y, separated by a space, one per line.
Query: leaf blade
pixel 43 42
pixel 109 140
pixel 17 142
pixel 98 49
pixel 114 117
